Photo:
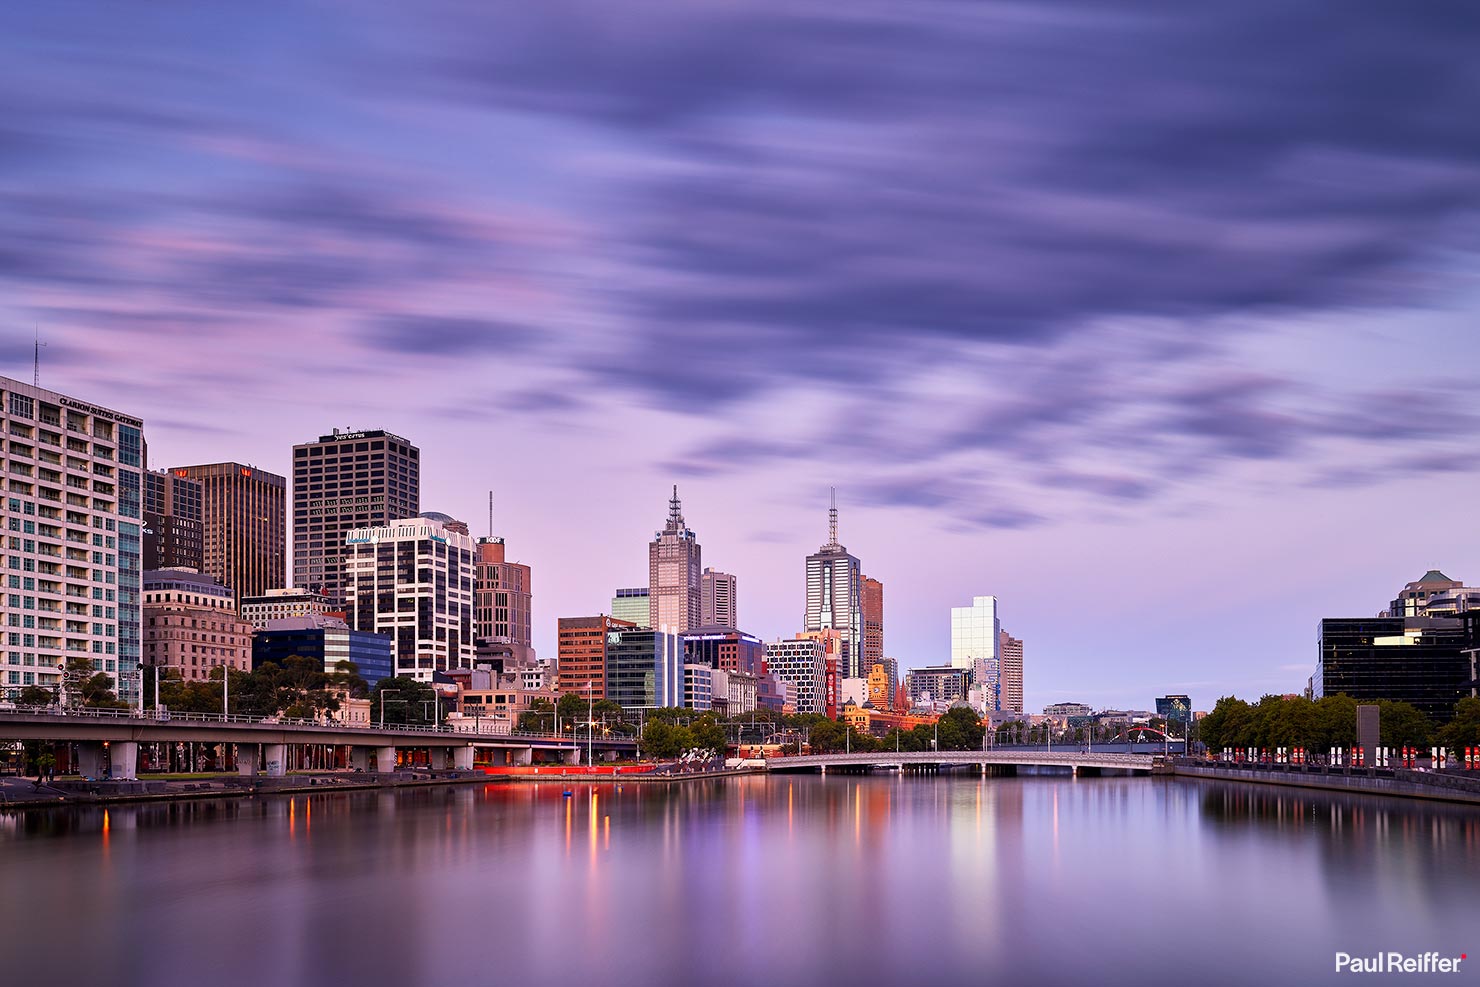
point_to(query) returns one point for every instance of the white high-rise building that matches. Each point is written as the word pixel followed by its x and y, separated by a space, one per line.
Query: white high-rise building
pixel 976 634
pixel 673 574
pixel 802 664
pixel 835 597
pixel 413 579
pixel 71 513
pixel 718 606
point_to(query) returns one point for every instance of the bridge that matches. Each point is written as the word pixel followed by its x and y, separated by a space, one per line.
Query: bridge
pixel 1075 761
pixel 123 730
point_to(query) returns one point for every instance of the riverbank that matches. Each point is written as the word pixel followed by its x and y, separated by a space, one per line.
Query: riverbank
pixel 1392 782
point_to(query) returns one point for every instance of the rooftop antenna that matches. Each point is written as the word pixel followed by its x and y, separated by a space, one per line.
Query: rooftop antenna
pixel 36 364
pixel 675 515
pixel 490 514
pixel 832 518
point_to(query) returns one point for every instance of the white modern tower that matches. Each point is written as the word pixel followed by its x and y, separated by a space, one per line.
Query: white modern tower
pixel 835 596
pixel 975 635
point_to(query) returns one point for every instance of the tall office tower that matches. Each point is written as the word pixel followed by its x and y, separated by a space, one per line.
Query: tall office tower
pixel 71 518
pixel 718 606
pixel 413 579
pixel 1011 651
pixel 243 523
pixel 347 480
pixel 501 614
pixel 173 537
pixel 975 638
pixel 802 664
pixel 632 605
pixel 673 574
pixel 873 623
pixel 582 650
pixel 191 625
pixel 835 596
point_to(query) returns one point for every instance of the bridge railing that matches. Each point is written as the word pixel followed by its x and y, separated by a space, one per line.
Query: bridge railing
pixel 227 719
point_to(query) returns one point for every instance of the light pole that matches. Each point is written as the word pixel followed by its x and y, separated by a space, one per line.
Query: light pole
pixel 382 705
pixel 590 717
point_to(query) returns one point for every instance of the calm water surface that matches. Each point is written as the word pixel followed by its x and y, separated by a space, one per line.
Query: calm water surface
pixel 854 879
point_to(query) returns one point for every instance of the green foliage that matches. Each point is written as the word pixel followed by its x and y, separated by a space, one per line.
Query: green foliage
pixel 960 730
pixel 661 739
pixel 409 701
pixel 537 718
pixel 1464 730
pixel 35 695
pixel 1315 725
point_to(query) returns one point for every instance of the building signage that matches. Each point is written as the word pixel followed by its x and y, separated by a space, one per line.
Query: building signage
pixel 96 412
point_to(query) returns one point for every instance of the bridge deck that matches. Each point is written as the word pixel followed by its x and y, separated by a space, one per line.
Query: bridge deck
pixel 1067 759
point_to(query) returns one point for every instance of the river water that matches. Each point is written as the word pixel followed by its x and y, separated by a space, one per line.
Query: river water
pixel 857 880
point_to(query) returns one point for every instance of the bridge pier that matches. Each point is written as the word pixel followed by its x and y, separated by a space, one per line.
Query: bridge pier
pixel 124 760
pixel 359 758
pixel 570 755
pixel 521 755
pixel 385 759
pixel 90 758
pixel 274 755
pixel 247 757
pixel 462 758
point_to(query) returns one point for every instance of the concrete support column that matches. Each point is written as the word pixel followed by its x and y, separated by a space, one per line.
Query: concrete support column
pixel 462 758
pixel 123 758
pixel 359 758
pixel 90 758
pixel 275 756
pixel 246 760
pixel 521 755
pixel 385 759
pixel 570 755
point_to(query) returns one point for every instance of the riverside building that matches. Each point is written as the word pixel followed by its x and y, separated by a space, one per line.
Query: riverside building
pixel 191 625
pixel 342 482
pixel 413 580
pixel 802 664
pixel 243 524
pixel 71 512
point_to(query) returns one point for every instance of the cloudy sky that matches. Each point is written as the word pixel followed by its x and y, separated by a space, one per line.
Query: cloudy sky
pixel 1155 320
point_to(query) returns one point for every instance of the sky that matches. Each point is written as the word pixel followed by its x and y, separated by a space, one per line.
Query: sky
pixel 1153 320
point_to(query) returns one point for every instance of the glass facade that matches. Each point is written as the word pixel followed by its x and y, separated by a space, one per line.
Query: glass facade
pixel 1418 660
pixel 644 668
pixel 976 633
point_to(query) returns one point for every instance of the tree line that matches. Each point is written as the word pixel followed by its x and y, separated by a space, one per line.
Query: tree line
pixel 1320 724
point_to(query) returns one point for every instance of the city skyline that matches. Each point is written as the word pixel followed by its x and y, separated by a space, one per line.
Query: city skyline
pixel 1188 364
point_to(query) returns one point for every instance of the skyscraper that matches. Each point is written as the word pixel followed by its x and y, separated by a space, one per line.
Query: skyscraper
pixel 873 623
pixel 243 525
pixel 413 579
pixel 1011 650
pixel 343 481
pixel 71 511
pixel 673 574
pixel 173 538
pixel 717 603
pixel 975 639
pixel 802 664
pixel 504 596
pixel 835 596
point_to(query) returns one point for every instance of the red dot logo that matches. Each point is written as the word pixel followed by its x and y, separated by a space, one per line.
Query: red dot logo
pixel 1463 956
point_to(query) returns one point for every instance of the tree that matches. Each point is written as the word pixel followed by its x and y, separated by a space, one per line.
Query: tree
pixel 97 691
pixel 961 730
pixel 1464 730
pixel 409 702
pixel 539 717
pixel 1404 725
pixel 35 695
pixel 346 677
pixel 707 733
pixel 661 739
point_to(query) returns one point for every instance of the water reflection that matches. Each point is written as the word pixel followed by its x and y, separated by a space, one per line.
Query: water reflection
pixel 893 879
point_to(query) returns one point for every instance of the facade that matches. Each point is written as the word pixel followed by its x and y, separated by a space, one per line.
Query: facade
pixel 1414 599
pixel 718 604
pixel 735 693
pixel 345 481
pixel 243 525
pixel 327 640
pixel 976 636
pixel 673 574
pixel 413 580
pixel 281 603
pixel 1174 709
pixel 1010 652
pixel 71 511
pixel 1065 710
pixel 1426 661
pixel 191 625
pixel 725 647
pixel 890 676
pixel 937 685
pixel 644 668
pixel 772 692
pixel 503 601
pixel 873 623
pixel 632 606
pixel 582 644
pixel 698 687
pixel 835 597
pixel 881 688
pixel 173 537
pixel 801 663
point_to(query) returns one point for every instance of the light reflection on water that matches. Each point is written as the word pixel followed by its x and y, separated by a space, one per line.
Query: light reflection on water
pixel 891 879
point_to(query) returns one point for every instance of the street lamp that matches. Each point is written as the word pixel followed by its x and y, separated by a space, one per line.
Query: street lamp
pixel 382 705
pixel 590 717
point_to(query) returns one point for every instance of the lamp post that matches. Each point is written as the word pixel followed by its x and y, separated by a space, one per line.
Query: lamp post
pixel 383 693
pixel 590 717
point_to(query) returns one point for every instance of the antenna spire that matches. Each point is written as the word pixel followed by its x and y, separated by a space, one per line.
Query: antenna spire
pixel 490 514
pixel 36 365
pixel 832 519
pixel 675 514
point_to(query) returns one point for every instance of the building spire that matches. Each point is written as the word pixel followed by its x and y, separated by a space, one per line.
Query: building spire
pixel 675 514
pixel 832 519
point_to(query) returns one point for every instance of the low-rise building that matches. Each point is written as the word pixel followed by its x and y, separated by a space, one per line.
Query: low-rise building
pixel 937 684
pixel 327 640
pixel 191 625
pixel 279 604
